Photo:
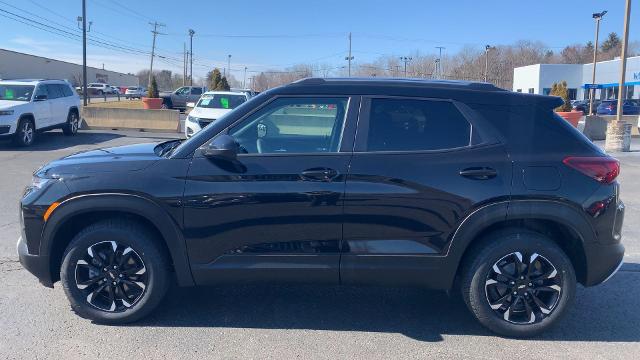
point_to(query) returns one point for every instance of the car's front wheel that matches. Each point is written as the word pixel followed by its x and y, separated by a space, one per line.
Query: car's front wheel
pixel 518 283
pixel 115 272
pixel 25 132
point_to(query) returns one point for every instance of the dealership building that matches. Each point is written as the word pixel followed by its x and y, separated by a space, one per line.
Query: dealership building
pixel 16 65
pixel 538 78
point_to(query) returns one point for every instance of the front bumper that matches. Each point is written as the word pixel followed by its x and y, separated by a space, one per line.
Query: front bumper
pixel 38 265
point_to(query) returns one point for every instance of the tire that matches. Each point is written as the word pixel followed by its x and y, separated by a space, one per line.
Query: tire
pixel 72 125
pixel 552 282
pixel 25 133
pixel 142 275
pixel 166 105
pixel 100 92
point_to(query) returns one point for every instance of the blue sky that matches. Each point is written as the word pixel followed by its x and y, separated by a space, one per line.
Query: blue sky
pixel 275 34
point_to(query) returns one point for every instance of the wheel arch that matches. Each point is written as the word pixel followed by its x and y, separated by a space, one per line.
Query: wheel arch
pixel 560 222
pixel 75 213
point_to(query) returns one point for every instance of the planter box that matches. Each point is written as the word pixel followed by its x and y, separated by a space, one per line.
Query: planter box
pixel 152 103
pixel 572 117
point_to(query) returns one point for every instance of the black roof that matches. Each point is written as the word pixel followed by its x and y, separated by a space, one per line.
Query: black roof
pixel 400 82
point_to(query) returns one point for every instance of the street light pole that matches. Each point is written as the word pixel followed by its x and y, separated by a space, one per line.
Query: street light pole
pixel 350 57
pixel 85 92
pixel 405 59
pixel 244 78
pixel 227 71
pixel 592 92
pixel 486 62
pixel 191 33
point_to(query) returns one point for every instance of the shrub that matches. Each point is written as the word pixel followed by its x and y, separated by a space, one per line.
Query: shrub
pixel 152 91
pixel 560 89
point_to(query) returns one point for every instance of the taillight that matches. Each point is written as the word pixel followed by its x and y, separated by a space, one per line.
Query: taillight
pixel 602 169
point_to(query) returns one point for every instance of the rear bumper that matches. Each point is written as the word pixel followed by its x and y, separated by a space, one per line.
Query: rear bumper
pixel 38 265
pixel 603 261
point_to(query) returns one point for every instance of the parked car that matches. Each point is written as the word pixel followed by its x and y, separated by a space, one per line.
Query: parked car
pixel 100 88
pixel 31 106
pixel 115 90
pixel 135 92
pixel 211 107
pixel 583 105
pixel 610 107
pixel 340 181
pixel 179 98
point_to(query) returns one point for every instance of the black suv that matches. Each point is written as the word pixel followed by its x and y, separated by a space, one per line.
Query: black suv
pixel 457 186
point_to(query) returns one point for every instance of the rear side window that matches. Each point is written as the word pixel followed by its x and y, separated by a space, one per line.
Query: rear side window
pixel 414 125
pixel 66 90
pixel 196 91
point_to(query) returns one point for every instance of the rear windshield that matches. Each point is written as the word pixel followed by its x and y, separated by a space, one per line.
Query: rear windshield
pixel 16 92
pixel 221 101
pixel 132 88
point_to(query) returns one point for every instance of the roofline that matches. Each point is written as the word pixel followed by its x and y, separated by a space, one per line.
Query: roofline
pixel 416 82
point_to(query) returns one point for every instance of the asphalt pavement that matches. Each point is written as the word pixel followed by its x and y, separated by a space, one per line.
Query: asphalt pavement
pixel 284 322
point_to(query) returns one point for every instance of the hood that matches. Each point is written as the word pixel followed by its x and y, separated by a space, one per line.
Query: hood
pixel 6 104
pixel 115 159
pixel 209 113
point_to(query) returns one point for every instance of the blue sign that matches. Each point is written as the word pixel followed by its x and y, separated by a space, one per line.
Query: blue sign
pixel 636 76
pixel 592 86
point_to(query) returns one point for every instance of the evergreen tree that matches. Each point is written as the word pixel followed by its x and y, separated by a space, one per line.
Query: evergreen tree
pixel 214 78
pixel 612 42
pixel 224 85
pixel 561 90
pixel 152 91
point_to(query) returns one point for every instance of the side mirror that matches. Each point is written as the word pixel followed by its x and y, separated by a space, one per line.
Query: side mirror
pixel 191 105
pixel 40 98
pixel 224 147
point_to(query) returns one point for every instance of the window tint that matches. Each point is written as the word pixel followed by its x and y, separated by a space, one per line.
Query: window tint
pixel 42 90
pixel 293 125
pixel 54 91
pixel 196 91
pixel 221 101
pixel 410 125
pixel 66 90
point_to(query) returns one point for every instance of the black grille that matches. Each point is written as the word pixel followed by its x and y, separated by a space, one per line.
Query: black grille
pixel 4 129
pixel 205 122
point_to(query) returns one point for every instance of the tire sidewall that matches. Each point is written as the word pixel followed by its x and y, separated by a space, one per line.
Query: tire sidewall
pixel 19 135
pixel 157 274
pixel 69 126
pixel 526 242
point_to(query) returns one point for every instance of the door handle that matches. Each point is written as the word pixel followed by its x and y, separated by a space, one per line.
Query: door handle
pixel 479 173
pixel 319 174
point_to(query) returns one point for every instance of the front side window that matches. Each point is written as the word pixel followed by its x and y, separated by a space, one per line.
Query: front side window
pixel 182 91
pixel 41 90
pixel 293 125
pixel 414 125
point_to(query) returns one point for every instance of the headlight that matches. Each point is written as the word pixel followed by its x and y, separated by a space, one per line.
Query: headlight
pixel 192 119
pixel 6 112
pixel 38 182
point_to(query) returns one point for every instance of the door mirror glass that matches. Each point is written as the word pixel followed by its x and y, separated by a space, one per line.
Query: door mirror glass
pixel 41 97
pixel 224 147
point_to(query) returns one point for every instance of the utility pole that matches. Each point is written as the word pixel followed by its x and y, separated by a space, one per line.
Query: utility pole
pixel 191 33
pixel 592 92
pixel 244 78
pixel 85 92
pixel 350 57
pixel 184 64
pixel 153 47
pixel 619 131
pixel 405 59
pixel 486 61
pixel 440 48
pixel 228 66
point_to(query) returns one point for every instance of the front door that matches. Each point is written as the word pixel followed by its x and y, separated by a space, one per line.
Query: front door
pixel 419 167
pixel 275 213
pixel 42 108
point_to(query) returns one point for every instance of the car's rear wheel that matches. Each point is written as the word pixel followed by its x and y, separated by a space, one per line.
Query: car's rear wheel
pixel 25 132
pixel 114 272
pixel 518 283
pixel 72 125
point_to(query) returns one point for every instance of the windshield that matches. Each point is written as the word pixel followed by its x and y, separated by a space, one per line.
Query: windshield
pixel 221 101
pixel 16 92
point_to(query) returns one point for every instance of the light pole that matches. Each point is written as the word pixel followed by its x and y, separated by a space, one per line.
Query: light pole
pixel 244 78
pixel 350 57
pixel 486 61
pixel 227 71
pixel 592 91
pixel 440 48
pixel 405 59
pixel 618 131
pixel 191 33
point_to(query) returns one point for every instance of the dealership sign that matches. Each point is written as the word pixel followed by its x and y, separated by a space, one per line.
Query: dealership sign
pixel 636 76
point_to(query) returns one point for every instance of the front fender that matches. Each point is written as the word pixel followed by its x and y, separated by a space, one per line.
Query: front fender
pixel 125 203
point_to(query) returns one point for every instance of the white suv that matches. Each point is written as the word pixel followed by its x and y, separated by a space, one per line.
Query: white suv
pixel 100 88
pixel 211 107
pixel 30 106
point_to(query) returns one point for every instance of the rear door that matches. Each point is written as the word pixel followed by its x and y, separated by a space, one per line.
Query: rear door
pixel 420 166
pixel 196 92
pixel 58 102
pixel 42 108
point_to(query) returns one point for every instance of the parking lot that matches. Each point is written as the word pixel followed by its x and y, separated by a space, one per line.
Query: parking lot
pixel 295 321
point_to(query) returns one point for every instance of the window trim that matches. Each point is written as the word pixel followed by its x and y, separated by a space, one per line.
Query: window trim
pixel 362 132
pixel 348 126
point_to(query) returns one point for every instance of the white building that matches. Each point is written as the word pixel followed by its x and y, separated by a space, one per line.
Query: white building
pixel 538 78
pixel 15 65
